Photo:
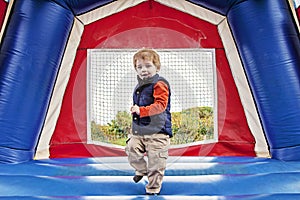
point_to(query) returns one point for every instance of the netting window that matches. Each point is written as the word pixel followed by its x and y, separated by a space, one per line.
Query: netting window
pixel 111 79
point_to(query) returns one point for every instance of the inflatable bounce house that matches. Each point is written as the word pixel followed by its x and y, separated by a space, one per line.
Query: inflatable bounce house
pixel 45 147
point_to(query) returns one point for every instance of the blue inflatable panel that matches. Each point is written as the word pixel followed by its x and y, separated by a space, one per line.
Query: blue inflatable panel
pixel 269 46
pixel 219 6
pixel 30 56
pixel 186 178
pixel 79 7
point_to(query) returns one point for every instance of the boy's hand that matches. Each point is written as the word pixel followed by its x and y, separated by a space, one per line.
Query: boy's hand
pixel 135 109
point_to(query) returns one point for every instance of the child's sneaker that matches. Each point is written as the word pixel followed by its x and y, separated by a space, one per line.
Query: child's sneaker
pixel 153 194
pixel 137 178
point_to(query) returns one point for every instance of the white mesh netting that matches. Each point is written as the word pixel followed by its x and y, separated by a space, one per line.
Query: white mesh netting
pixel 112 78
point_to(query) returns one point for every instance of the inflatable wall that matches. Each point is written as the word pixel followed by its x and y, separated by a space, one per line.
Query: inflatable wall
pixel 43 71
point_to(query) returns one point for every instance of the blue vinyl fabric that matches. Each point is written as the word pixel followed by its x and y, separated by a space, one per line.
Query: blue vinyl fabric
pixel 79 7
pixel 269 46
pixel 186 178
pixel 35 38
pixel 30 56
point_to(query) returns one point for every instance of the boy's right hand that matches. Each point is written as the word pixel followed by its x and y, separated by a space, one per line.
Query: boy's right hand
pixel 135 109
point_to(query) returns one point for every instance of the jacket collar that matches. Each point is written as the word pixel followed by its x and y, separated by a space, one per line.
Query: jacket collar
pixel 146 81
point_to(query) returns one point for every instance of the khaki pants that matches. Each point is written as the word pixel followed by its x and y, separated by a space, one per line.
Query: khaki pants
pixel 156 146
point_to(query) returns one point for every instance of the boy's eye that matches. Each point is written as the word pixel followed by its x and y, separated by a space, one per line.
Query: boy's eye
pixel 146 66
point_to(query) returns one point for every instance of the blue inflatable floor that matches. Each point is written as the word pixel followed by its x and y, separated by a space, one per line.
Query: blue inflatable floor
pixel 186 178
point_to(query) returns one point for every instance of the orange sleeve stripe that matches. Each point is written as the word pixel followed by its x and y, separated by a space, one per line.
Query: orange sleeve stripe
pixel 161 97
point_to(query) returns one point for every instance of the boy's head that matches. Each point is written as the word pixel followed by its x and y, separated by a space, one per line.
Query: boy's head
pixel 147 55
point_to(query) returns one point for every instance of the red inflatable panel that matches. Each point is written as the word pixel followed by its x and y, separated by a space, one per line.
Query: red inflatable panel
pixel 3 8
pixel 158 27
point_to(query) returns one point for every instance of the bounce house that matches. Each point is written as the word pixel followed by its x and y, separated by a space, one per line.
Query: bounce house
pixel 45 147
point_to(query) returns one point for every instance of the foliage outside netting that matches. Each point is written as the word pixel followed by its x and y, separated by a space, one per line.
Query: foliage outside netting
pixel 190 125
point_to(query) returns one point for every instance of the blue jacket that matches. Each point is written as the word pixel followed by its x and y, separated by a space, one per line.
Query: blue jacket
pixel 143 96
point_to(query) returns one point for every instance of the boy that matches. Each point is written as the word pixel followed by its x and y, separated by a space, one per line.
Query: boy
pixel 151 121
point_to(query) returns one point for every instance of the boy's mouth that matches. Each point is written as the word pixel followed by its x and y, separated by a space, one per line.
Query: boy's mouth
pixel 145 75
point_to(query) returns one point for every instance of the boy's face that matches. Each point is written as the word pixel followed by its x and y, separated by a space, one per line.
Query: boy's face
pixel 145 68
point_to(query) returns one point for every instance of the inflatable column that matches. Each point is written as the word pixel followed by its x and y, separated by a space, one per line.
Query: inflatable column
pixel 31 52
pixel 268 42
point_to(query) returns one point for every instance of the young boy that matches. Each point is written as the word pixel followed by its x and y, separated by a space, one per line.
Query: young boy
pixel 151 121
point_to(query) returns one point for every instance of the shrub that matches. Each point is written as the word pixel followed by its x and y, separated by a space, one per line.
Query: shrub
pixel 190 125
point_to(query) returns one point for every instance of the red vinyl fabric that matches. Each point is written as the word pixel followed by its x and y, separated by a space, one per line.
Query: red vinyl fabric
pixel 144 26
pixel 3 7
